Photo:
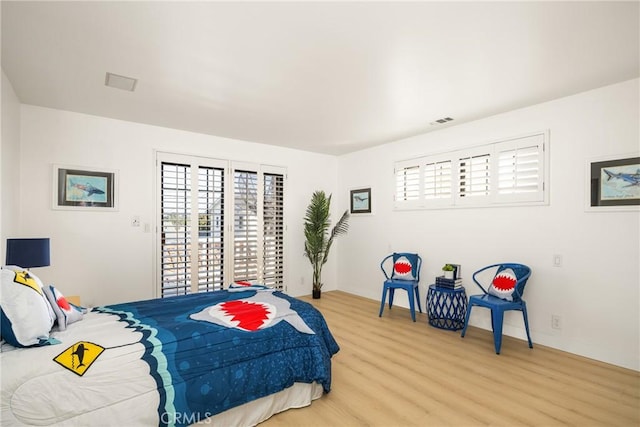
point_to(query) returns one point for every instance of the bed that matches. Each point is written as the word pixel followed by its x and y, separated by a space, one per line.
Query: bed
pixel 232 357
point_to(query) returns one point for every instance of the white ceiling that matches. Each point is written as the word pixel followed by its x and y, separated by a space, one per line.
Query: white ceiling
pixel 324 77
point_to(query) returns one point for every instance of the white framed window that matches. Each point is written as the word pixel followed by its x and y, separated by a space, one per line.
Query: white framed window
pixel 218 222
pixel 438 178
pixel 473 177
pixel 507 172
pixel 521 170
pixel 258 224
pixel 408 184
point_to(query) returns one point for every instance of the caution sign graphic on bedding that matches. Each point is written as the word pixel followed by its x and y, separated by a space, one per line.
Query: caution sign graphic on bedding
pixel 23 278
pixel 79 357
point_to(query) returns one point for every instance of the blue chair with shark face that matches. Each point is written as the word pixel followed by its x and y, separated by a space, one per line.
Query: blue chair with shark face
pixel 504 293
pixel 402 273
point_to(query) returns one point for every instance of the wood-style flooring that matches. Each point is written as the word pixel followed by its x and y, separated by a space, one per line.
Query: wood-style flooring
pixel 391 371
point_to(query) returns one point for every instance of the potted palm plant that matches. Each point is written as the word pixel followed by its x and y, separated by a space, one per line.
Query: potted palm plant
pixel 318 239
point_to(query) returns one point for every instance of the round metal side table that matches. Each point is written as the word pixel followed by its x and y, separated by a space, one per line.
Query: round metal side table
pixel 446 307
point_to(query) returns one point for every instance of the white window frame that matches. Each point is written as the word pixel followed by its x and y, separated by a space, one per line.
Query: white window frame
pixel 261 170
pixel 471 199
pixel 417 188
pixel 438 159
pixel 537 144
pixel 540 157
pixel 229 167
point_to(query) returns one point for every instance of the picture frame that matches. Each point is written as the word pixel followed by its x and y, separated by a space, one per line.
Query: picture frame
pixel 82 188
pixel 613 183
pixel 361 201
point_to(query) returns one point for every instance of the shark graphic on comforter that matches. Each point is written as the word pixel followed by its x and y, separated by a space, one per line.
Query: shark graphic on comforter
pixel 209 352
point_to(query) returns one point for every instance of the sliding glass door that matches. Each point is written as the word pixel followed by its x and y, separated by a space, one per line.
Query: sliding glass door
pixel 198 250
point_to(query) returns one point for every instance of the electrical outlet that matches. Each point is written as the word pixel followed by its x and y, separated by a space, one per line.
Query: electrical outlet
pixel 556 322
pixel 135 221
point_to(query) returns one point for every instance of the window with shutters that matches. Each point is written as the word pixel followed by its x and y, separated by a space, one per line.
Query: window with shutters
pixel 199 250
pixel 474 177
pixel 245 221
pixel 210 228
pixel 508 172
pixel 520 170
pixel 408 183
pixel 407 186
pixel 273 230
pixel 259 225
pixel 175 228
pixel 437 180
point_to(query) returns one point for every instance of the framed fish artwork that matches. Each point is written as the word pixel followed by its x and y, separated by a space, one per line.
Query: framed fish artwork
pixel 614 183
pixel 361 201
pixel 84 188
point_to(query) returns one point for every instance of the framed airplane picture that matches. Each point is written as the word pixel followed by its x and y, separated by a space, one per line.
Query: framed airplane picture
pixel 361 201
pixel 614 183
pixel 84 188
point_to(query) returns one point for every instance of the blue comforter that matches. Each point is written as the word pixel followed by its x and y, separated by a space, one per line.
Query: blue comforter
pixel 209 352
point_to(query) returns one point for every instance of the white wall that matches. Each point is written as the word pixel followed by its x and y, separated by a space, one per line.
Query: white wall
pixel 99 255
pixel 9 164
pixel 598 304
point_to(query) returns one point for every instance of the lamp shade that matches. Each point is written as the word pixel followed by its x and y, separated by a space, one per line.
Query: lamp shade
pixel 28 253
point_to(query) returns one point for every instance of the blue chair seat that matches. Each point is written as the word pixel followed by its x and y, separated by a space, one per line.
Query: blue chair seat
pixel 499 305
pixel 405 275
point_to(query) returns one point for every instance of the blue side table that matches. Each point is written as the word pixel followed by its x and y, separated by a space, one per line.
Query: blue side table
pixel 446 308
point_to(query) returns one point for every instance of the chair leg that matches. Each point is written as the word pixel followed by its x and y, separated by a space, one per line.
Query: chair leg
pixel 466 320
pixel 384 299
pixel 392 292
pixel 496 320
pixel 417 291
pixel 526 323
pixel 412 305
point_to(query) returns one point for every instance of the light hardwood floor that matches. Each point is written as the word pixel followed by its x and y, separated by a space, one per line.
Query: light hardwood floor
pixel 391 371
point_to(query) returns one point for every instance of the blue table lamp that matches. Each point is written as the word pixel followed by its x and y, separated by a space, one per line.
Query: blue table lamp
pixel 28 253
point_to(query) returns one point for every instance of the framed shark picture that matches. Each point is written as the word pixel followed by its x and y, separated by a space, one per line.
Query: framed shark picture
pixel 614 183
pixel 84 188
pixel 361 201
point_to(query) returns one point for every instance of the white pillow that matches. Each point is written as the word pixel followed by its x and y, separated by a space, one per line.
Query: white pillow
pixel 66 313
pixel 37 279
pixel 25 316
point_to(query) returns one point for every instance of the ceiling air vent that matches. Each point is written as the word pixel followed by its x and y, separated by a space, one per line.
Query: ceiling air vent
pixel 440 121
pixel 120 82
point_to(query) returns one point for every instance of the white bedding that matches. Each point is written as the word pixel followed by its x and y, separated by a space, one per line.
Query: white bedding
pixel 115 390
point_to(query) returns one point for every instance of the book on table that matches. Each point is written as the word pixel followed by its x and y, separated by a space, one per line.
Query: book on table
pixel 443 282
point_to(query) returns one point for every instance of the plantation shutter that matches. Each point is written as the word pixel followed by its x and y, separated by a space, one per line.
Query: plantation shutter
pixel 258 224
pixel 273 230
pixel 437 180
pixel 175 229
pixel 508 172
pixel 245 221
pixel 520 175
pixel 407 191
pixel 210 228
pixel 199 247
pixel 474 176
pixel 191 224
